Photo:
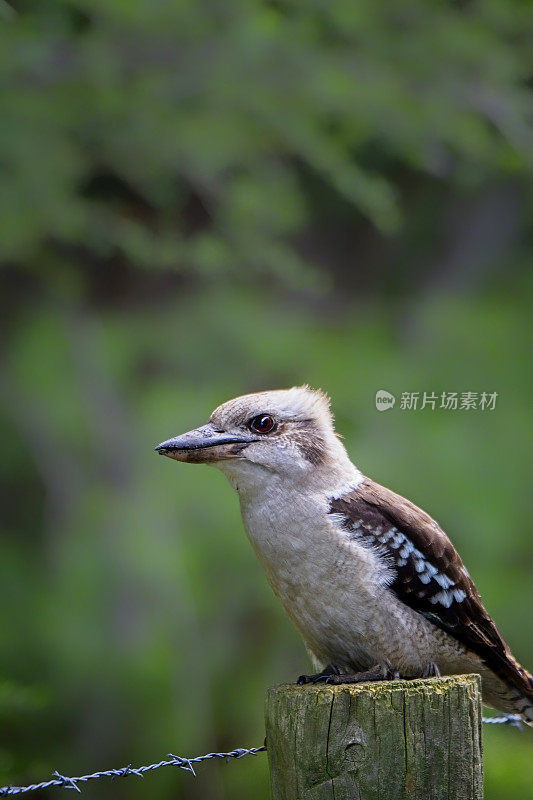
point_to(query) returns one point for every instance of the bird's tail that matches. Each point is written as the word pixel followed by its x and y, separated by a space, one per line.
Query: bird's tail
pixel 509 688
pixel 521 692
pixel 523 706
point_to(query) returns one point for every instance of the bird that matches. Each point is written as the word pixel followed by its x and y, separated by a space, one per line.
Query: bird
pixel 371 581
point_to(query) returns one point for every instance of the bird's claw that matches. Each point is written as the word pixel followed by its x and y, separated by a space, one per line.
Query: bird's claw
pixel 332 676
pixel 321 677
pixel 431 670
pixel 378 673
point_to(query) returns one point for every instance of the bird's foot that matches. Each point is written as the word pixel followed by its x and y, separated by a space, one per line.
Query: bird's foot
pixel 320 677
pixel 381 672
pixel 332 675
pixel 431 670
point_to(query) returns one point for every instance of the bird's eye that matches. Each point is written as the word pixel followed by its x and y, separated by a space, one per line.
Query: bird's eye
pixel 263 423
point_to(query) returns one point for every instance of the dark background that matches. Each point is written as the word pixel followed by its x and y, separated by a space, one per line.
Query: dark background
pixel 201 199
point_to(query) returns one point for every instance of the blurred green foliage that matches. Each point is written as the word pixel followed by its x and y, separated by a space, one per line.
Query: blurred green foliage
pixel 204 199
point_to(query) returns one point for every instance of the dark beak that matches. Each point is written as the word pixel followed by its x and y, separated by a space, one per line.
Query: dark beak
pixel 203 445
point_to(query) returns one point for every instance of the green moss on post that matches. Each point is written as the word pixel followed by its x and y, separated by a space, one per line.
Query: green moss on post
pixel 398 740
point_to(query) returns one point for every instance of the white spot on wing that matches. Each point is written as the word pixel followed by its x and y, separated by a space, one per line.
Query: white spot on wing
pixel 443 580
pixel 407 549
pixel 444 598
pixel 397 540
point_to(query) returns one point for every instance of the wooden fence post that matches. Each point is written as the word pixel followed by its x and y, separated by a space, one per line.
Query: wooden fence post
pixel 398 740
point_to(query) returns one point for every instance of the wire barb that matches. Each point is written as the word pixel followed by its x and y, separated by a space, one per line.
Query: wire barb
pixel 68 783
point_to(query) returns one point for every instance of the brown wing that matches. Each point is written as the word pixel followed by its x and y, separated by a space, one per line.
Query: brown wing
pixel 429 574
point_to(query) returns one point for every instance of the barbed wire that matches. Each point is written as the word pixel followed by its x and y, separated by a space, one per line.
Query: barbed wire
pixel 185 764
pixel 513 720
pixel 172 761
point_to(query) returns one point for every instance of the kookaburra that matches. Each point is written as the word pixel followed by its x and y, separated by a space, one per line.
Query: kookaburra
pixel 373 584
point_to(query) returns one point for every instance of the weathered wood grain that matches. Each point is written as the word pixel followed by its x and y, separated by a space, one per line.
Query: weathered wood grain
pixel 398 740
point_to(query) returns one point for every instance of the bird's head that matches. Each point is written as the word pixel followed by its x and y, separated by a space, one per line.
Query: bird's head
pixel 287 433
